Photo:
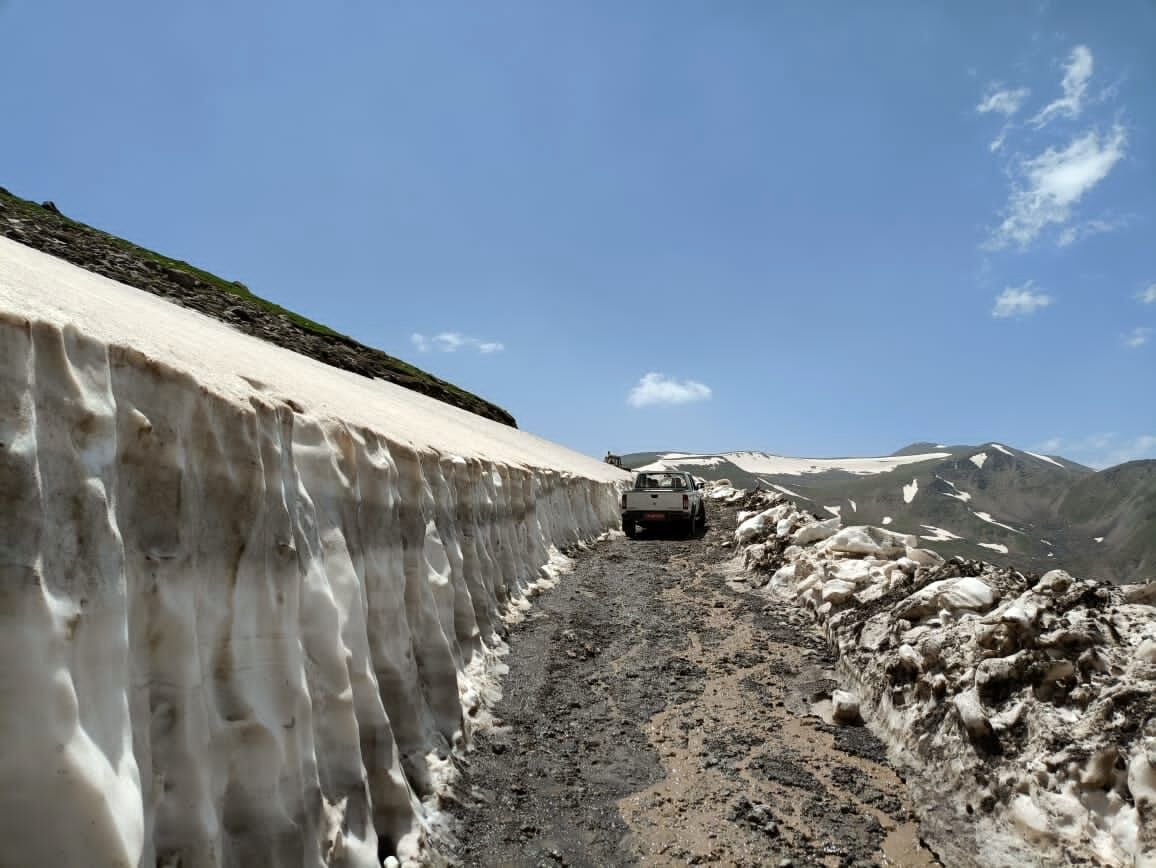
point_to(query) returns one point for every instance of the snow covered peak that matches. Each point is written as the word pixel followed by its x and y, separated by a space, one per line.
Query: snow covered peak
pixel 764 463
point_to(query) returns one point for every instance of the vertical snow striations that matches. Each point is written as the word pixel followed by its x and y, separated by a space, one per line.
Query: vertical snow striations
pixel 233 631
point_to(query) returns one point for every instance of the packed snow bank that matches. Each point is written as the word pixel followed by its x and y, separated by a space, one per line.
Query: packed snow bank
pixel 1025 705
pixel 250 603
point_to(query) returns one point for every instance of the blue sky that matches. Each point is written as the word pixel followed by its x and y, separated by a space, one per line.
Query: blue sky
pixel 815 229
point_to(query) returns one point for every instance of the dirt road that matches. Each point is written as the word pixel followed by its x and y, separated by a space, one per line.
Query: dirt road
pixel 658 711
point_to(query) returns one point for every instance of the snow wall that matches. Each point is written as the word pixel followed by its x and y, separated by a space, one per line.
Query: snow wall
pixel 249 604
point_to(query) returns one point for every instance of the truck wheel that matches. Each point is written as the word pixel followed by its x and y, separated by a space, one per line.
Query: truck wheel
pixel 702 519
pixel 630 528
pixel 688 528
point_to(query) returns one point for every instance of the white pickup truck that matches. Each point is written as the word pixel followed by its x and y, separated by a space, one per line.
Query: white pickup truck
pixel 663 498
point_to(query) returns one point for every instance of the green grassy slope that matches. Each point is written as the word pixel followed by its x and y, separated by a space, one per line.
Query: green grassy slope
pixel 44 228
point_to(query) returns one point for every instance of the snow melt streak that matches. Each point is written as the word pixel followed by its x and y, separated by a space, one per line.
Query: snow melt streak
pixel 238 635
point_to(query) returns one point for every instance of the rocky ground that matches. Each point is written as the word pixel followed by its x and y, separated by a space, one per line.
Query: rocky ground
pixel 657 711
pixel 44 228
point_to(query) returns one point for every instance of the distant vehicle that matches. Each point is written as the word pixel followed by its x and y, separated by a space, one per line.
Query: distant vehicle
pixel 663 498
pixel 613 459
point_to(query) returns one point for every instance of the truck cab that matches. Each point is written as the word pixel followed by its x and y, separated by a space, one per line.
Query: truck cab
pixel 667 497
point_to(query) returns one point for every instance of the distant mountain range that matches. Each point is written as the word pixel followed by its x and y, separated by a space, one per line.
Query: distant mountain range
pixel 1004 505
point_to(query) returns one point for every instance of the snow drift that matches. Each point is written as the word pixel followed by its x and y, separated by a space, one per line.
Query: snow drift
pixel 1025 705
pixel 249 604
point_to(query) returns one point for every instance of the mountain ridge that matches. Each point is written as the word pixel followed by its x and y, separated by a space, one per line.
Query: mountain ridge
pixel 1002 504
pixel 43 227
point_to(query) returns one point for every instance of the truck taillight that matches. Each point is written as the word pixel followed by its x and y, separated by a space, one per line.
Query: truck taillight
pixel 686 501
pixel 624 500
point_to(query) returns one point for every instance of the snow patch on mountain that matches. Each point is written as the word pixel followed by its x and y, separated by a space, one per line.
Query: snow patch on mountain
pixel 779 465
pixel 978 459
pixel 995 547
pixel 955 492
pixel 938 534
pixel 681 461
pixel 1046 458
pixel 986 516
pixel 910 490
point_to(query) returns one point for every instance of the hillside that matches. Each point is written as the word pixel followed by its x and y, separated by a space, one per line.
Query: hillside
pixel 44 228
pixel 1004 505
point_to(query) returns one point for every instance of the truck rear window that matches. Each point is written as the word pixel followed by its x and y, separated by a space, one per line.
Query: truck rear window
pixel 669 481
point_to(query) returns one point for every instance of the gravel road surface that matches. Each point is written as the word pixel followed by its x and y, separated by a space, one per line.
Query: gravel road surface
pixel 660 711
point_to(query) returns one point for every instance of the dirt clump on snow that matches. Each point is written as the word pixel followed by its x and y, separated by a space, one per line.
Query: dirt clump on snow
pixel 1025 704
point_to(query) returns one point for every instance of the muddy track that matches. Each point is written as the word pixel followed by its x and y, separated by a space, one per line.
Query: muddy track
pixel 658 711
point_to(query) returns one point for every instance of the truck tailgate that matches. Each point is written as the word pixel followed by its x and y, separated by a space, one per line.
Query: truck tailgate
pixel 654 501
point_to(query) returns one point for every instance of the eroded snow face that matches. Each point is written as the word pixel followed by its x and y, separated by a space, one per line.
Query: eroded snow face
pixel 245 621
pixel 1033 702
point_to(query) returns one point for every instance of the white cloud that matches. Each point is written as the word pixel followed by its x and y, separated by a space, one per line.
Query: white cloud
pixel 1143 446
pixel 1004 102
pixel 1099 226
pixel 659 389
pixel 1090 443
pixel 1077 73
pixel 1101 450
pixel 1147 296
pixel 451 342
pixel 1050 185
pixel 1119 451
pixel 1137 337
pixel 1020 301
